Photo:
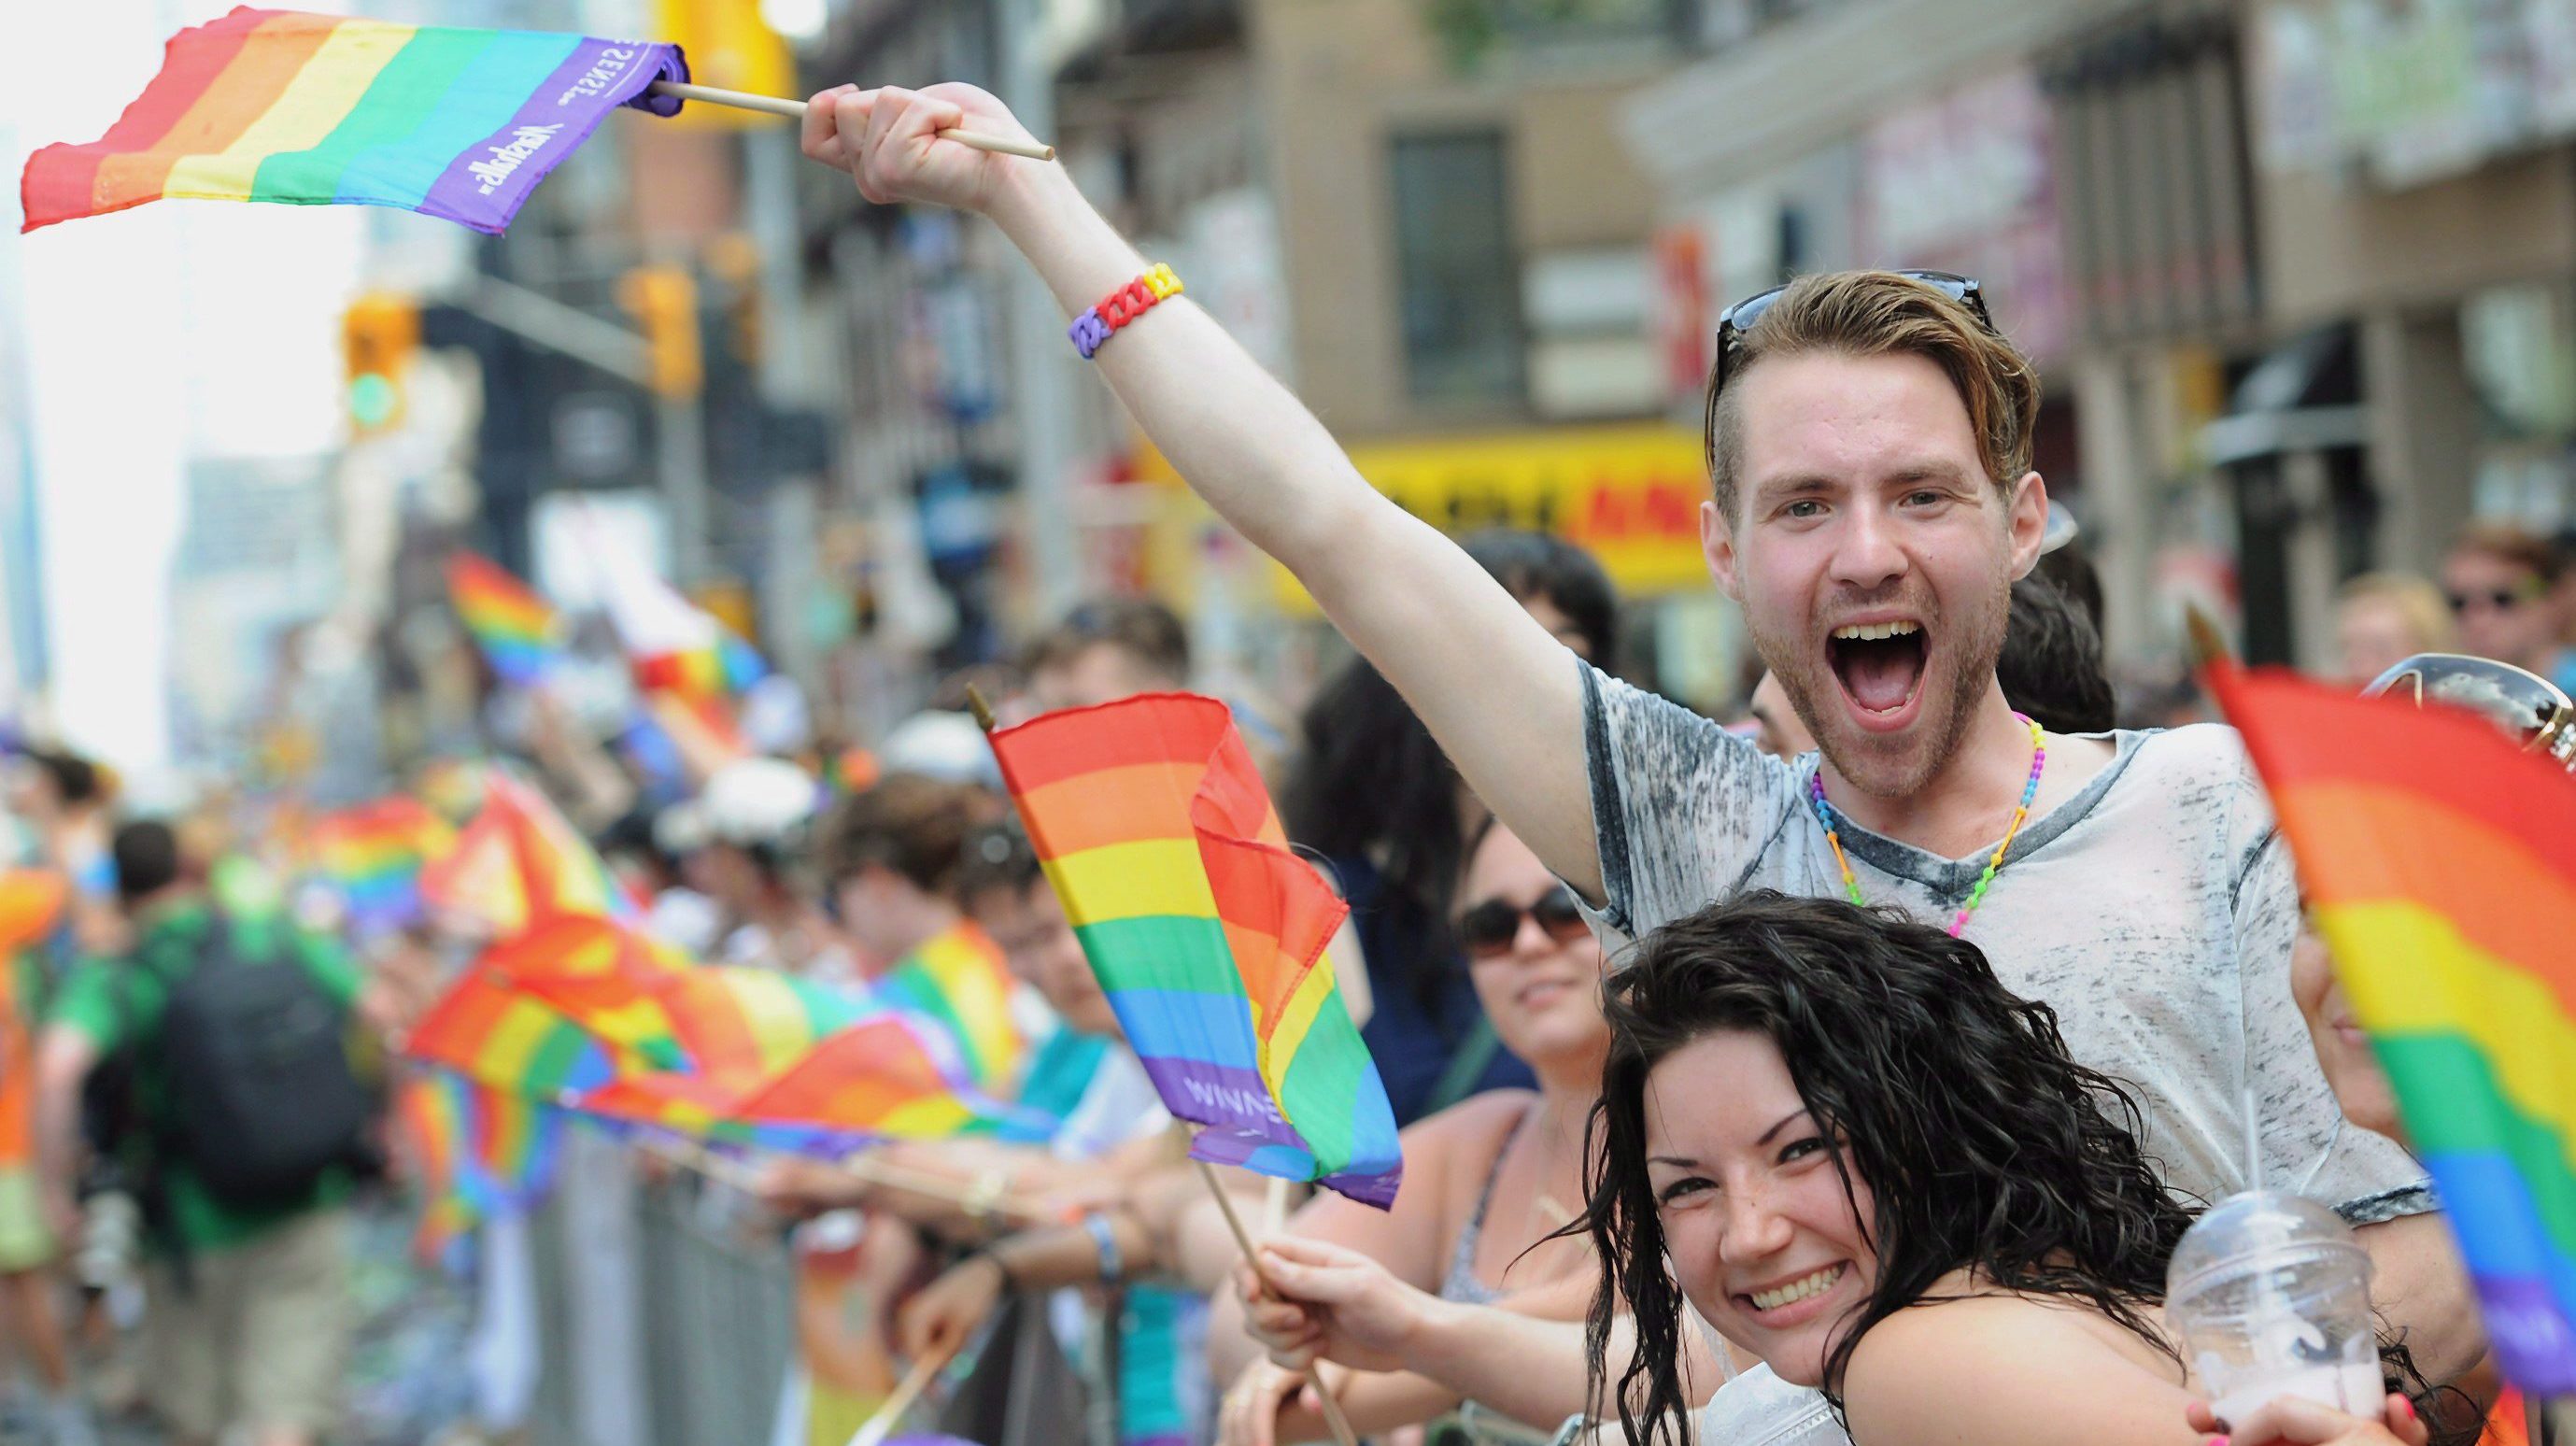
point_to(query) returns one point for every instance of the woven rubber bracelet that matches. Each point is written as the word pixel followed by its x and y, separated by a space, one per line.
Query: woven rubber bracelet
pixel 1120 307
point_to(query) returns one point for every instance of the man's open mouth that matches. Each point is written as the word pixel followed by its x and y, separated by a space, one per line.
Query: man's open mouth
pixel 1880 665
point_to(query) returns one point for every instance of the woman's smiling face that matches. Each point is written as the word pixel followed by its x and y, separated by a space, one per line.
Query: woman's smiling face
pixel 1762 1237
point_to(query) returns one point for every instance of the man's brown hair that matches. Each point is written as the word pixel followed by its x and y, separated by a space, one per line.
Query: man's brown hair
pixel 1877 313
pixel 2509 543
pixel 1150 634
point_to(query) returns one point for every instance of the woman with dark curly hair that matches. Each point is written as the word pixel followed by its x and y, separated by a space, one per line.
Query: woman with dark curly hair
pixel 1832 1134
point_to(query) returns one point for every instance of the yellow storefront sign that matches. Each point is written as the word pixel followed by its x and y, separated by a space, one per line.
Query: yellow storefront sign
pixel 1630 495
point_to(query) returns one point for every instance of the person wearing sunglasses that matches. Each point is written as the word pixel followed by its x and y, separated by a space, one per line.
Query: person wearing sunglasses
pixel 2511 594
pixel 1870 437
pixel 1488 1180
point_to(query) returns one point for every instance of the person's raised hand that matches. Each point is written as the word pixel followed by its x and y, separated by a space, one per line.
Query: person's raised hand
pixel 888 140
pixel 939 1318
pixel 2303 1422
pixel 1331 1302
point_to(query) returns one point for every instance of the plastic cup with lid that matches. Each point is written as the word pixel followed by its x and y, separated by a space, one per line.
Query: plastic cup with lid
pixel 2270 1295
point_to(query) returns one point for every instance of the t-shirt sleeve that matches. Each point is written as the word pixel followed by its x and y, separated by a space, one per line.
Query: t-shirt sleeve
pixel 2307 1143
pixel 87 1004
pixel 1681 809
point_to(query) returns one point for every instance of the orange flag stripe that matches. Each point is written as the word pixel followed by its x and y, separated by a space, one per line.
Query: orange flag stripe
pixel 2446 855
pixel 1127 804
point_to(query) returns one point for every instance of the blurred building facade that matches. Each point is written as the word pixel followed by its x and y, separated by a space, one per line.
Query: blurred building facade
pixel 2296 273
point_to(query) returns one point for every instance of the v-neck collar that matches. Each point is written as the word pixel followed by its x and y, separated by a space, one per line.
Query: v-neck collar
pixel 1952 876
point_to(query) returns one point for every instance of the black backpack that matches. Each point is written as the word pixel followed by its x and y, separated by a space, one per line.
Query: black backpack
pixel 257 1093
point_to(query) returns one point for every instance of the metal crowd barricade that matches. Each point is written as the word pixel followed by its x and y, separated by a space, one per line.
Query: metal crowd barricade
pixel 667 1318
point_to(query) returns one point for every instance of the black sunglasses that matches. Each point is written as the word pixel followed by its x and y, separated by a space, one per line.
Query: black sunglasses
pixel 2503 599
pixel 1488 929
pixel 1739 318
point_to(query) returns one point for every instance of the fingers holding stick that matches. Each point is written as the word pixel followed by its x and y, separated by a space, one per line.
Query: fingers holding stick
pixel 1324 1395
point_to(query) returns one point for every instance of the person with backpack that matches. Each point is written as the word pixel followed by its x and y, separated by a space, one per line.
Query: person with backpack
pixel 215 1054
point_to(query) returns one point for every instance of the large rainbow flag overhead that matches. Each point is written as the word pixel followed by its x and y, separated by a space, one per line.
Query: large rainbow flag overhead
pixel 2440 864
pixel 279 105
pixel 519 635
pixel 1208 935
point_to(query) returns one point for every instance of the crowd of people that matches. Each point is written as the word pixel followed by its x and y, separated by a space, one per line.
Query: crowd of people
pixel 1850 1072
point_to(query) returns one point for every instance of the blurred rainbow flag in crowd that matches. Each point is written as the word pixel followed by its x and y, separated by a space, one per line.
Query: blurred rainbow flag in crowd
pixel 520 636
pixel 279 105
pixel 959 979
pixel 521 862
pixel 886 1076
pixel 1208 935
pixel 478 1153
pixel 2440 864
pixel 374 855
pixel 586 1014
pixel 641 996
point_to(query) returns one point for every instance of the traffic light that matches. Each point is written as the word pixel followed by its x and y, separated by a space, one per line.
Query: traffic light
pixel 664 299
pixel 378 335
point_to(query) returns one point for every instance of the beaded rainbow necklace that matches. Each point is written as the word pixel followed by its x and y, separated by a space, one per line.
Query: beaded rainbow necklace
pixel 1994 861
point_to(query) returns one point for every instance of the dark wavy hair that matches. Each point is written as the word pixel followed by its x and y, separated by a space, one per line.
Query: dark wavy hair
pixel 1984 1146
pixel 1371 782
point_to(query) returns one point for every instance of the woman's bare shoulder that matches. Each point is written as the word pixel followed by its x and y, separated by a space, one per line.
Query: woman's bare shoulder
pixel 1999 1369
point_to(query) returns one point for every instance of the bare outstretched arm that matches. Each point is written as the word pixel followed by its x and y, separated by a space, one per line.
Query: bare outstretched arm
pixel 1499 693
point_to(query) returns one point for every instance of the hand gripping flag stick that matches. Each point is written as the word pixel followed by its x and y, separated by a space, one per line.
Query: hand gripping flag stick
pixel 795 109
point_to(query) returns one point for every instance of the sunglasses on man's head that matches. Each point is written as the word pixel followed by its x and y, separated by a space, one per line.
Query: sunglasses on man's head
pixel 1740 318
pixel 1488 929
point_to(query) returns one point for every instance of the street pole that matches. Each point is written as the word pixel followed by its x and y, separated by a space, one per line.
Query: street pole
pixel 680 424
pixel 1043 403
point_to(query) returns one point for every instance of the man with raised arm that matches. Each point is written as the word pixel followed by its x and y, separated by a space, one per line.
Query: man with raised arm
pixel 1869 444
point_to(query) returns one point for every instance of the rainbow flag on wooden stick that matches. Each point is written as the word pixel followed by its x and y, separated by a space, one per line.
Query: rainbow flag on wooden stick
pixel 1208 935
pixel 2440 864
pixel 313 110
pixel 520 636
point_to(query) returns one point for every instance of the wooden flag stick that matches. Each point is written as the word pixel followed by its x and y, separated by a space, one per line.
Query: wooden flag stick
pixel 795 109
pixel 882 1421
pixel 1333 1416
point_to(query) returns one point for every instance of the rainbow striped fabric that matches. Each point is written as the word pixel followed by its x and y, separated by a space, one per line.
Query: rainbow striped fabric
pixel 521 862
pixel 520 636
pixel 2440 864
pixel 374 854
pixel 641 997
pixel 279 105
pixel 478 1152
pixel 959 980
pixel 496 1034
pixel 1208 935
pixel 888 1076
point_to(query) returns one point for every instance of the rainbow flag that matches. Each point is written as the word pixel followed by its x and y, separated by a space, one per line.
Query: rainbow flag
pixel 521 862
pixel 312 110
pixel 1208 935
pixel 521 637
pixel 884 1077
pixel 31 902
pixel 374 854
pixel 641 997
pixel 958 978
pixel 496 1034
pixel 2440 864
pixel 478 1152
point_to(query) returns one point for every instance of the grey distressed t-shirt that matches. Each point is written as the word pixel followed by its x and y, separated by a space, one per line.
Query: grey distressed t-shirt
pixel 2154 911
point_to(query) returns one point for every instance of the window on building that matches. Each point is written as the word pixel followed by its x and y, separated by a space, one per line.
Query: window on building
pixel 1458 276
